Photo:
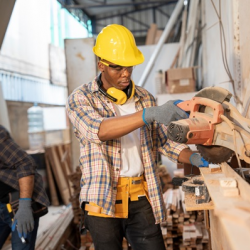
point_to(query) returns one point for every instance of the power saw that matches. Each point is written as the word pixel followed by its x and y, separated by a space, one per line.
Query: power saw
pixel 214 125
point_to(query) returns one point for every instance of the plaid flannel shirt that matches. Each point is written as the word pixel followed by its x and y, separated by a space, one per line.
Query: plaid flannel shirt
pixel 15 163
pixel 100 161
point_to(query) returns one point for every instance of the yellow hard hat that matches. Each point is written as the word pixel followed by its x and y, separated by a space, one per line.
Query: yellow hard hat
pixel 116 44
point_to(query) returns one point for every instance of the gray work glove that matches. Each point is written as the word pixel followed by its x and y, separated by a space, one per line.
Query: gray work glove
pixel 165 113
pixel 198 161
pixel 23 220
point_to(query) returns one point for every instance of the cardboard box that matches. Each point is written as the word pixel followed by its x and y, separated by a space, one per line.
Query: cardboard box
pixel 180 80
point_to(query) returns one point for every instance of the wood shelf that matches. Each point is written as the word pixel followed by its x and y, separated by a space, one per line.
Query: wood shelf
pixel 190 203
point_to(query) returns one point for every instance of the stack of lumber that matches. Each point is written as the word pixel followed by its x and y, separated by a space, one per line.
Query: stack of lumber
pixel 58 168
pixel 74 180
pixel 59 233
pixel 153 34
pixel 190 35
pixel 183 230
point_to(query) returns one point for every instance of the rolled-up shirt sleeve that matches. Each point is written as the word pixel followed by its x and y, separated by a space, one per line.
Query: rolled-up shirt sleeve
pixel 168 147
pixel 13 157
pixel 85 119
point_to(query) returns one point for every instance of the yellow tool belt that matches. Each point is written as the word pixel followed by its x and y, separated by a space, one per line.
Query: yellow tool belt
pixel 127 187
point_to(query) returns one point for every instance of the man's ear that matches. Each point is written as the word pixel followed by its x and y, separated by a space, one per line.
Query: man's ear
pixel 100 66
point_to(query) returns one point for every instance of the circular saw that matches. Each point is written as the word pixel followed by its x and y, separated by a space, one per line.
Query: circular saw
pixel 214 125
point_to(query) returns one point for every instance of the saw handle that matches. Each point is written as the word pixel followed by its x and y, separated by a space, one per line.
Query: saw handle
pixel 178 104
pixel 193 106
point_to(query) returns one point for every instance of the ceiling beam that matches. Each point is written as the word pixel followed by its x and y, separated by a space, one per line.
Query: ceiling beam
pixel 64 4
pixel 133 11
pixel 137 21
pixel 83 6
pixel 163 13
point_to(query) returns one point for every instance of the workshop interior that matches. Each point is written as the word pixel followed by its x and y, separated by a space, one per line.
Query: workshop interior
pixel 195 51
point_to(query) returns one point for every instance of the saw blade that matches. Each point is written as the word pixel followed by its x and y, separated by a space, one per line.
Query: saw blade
pixel 215 154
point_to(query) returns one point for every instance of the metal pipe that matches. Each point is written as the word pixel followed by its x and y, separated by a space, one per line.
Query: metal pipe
pixel 161 41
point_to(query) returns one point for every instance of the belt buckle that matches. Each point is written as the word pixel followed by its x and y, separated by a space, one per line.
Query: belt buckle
pixel 136 181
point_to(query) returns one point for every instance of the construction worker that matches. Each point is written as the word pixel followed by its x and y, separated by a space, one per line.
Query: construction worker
pixel 22 197
pixel 121 131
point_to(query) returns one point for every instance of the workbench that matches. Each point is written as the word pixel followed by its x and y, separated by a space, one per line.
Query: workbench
pixel 229 216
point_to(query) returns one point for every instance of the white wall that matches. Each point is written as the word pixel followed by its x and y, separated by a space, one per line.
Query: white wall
pixel 214 70
pixel 163 62
pixel 27 39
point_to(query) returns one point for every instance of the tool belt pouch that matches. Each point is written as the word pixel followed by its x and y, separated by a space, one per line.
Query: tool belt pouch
pixel 124 192
pixel 38 209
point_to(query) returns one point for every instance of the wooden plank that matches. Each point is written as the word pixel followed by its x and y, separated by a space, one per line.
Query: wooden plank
pixel 175 59
pixel 67 148
pixel 243 186
pixel 48 236
pixel 213 185
pixel 150 39
pixel 183 36
pixel 194 45
pixel 65 167
pixel 188 47
pixel 52 187
pixel 58 173
pixel 158 36
pixel 60 231
pixel 229 229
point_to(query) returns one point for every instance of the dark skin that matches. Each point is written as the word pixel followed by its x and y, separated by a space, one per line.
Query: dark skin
pixel 116 127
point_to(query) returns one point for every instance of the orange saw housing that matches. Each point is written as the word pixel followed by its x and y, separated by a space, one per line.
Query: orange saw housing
pixel 199 127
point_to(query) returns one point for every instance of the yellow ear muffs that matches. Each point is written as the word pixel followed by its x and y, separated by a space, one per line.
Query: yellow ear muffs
pixel 120 97
pixel 117 96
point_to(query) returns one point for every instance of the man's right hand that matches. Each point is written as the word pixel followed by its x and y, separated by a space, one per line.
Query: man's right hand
pixel 165 113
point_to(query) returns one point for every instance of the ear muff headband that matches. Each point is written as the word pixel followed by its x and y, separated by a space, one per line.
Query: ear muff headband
pixel 117 96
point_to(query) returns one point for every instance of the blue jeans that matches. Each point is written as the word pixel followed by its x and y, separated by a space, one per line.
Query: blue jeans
pixel 5 230
pixel 139 229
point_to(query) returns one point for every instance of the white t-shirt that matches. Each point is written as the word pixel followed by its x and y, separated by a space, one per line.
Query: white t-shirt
pixel 130 144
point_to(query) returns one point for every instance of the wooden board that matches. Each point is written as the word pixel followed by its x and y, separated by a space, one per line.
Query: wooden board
pixel 58 174
pixel 213 185
pixel 52 187
pixel 231 216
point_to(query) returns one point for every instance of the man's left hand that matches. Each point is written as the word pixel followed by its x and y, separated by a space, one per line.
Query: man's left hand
pixel 23 220
pixel 198 161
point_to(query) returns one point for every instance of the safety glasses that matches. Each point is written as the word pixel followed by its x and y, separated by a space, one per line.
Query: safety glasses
pixel 118 68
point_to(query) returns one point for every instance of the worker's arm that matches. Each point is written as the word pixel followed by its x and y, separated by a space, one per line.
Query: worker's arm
pixel 24 220
pixel 26 185
pixel 112 128
pixel 188 156
pixel 185 155
pixel 115 127
pixel 94 123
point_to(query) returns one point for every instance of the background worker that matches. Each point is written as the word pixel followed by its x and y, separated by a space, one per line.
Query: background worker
pixel 18 176
pixel 121 131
